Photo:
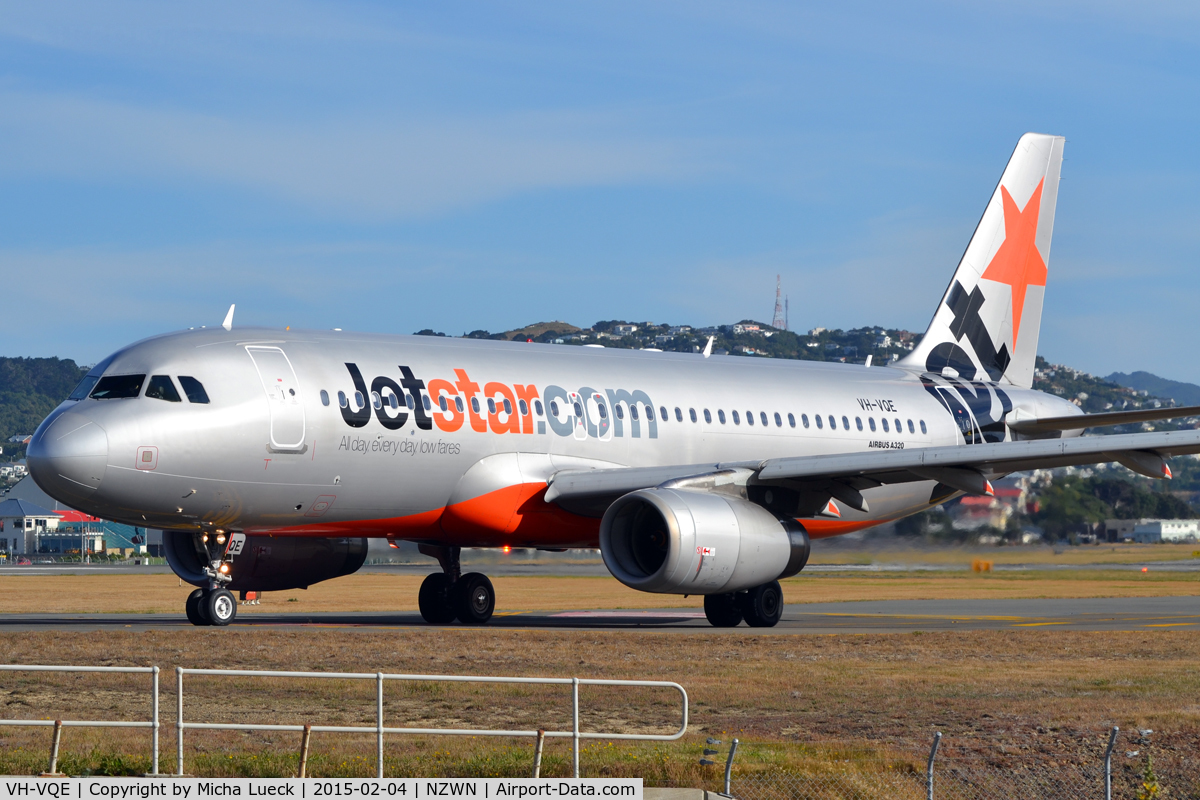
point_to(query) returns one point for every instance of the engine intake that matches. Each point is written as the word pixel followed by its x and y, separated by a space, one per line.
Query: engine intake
pixel 270 563
pixel 675 541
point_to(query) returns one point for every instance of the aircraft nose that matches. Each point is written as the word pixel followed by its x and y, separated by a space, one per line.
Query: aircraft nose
pixel 67 458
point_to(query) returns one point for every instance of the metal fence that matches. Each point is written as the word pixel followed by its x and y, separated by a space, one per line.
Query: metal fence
pixel 59 724
pixel 380 730
pixel 1116 772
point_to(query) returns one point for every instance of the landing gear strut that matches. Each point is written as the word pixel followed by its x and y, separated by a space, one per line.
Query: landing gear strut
pixel 214 604
pixel 761 607
pixel 449 595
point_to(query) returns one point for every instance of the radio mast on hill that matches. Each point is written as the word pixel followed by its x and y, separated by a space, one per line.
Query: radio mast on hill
pixel 779 321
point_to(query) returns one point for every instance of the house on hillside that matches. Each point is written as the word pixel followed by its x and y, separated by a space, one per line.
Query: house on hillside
pixel 1153 531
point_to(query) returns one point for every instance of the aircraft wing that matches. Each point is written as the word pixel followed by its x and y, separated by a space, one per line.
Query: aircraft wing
pixel 966 468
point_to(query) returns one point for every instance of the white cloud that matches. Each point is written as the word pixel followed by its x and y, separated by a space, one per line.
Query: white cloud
pixel 368 168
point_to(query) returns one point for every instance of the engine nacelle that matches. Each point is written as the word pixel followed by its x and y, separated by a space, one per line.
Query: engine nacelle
pixel 270 563
pixel 676 541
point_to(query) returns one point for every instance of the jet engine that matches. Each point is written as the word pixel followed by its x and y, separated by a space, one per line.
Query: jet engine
pixel 676 541
pixel 270 563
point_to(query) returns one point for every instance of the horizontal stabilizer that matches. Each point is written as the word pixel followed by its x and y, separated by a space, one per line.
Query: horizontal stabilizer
pixel 1077 422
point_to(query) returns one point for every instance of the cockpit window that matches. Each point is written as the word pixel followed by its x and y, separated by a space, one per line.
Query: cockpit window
pixel 85 386
pixel 194 389
pixel 111 387
pixel 89 380
pixel 161 388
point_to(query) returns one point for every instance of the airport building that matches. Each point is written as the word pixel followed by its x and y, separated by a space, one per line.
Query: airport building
pixel 1151 531
pixel 49 527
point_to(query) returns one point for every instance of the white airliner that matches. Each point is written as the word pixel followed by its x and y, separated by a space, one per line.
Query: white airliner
pixel 268 457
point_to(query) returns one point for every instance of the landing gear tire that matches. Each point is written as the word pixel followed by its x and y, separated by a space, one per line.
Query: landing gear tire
pixel 194 609
pixel 435 599
pixel 220 606
pixel 722 610
pixel 762 606
pixel 476 599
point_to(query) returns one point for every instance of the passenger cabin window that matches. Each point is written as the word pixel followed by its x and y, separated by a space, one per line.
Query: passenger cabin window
pixel 442 404
pixel 721 415
pixel 883 422
pixel 911 429
pixel 408 401
pixel 633 412
pixel 324 397
pixel 161 388
pixel 359 400
pixel 342 401
pixel 458 403
pixel 553 407
pixel 537 407
pixel 792 420
pixel 578 410
pixel 845 424
pixel 620 411
pixel 749 417
pixel 376 401
pixel 818 418
pixel 707 416
pixel 475 405
pixel 662 412
pixel 692 414
pixel 394 401
pixel 779 421
pixel 923 427
pixel 491 406
pixel 114 387
pixel 899 427
pixel 737 420
pixel 601 408
pixel 804 419
pixel 678 414
pixel 762 416
pixel 521 404
pixel 425 402
pixel 832 423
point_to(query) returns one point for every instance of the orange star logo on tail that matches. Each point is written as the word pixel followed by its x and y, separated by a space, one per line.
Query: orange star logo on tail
pixel 1018 262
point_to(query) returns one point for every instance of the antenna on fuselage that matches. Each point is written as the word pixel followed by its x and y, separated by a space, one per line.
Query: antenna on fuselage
pixel 228 323
pixel 708 347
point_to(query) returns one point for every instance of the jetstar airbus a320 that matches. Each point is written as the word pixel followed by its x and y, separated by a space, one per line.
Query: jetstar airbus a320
pixel 269 457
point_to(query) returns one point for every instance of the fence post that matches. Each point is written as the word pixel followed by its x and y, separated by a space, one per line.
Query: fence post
pixel 179 720
pixel 537 752
pixel 154 732
pixel 575 726
pixel 53 772
pixel 379 718
pixel 304 740
pixel 937 739
pixel 1112 740
pixel 729 766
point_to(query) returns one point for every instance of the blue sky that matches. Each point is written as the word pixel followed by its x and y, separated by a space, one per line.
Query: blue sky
pixel 390 167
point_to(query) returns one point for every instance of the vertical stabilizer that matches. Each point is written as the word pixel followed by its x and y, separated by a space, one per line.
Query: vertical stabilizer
pixel 986 327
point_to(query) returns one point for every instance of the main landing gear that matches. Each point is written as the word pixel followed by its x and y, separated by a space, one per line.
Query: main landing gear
pixel 449 595
pixel 761 607
pixel 214 604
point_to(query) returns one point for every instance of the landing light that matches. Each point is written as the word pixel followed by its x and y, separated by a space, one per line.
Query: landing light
pixel 220 538
pixel 204 538
pixel 224 569
pixel 506 549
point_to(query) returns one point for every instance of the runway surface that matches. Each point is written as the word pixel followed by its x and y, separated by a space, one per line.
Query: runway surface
pixel 1103 614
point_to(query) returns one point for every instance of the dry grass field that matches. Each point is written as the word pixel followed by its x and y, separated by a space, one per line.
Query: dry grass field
pixel 381 592
pixel 1030 692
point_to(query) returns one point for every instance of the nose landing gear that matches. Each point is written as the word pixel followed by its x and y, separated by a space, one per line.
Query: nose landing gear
pixel 449 595
pixel 214 604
